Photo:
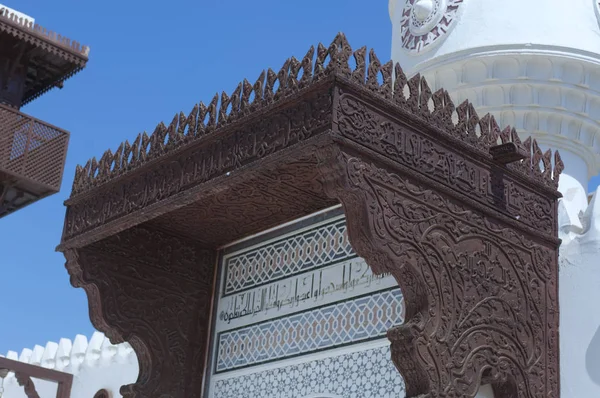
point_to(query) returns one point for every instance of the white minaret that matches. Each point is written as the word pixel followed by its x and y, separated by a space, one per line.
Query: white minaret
pixel 534 65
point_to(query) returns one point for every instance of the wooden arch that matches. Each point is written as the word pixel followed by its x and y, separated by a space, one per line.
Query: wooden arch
pixel 462 213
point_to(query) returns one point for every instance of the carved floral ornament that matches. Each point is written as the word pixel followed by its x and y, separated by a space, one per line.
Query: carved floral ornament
pixel 386 81
pixel 471 241
pixel 424 23
pixel 231 132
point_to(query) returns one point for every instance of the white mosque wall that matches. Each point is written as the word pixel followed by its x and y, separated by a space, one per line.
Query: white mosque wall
pixel 555 99
pixel 95 364
pixel 579 296
pixel 535 66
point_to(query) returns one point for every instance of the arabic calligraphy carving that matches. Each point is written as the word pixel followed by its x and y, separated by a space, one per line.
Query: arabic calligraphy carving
pixel 203 121
pixel 447 166
pixel 305 251
pixel 159 294
pixel 297 293
pixel 350 277
pixel 480 298
pixel 250 143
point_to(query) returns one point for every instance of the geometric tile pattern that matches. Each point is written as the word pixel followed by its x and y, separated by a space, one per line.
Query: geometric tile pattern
pixel 361 374
pixel 345 322
pixel 297 253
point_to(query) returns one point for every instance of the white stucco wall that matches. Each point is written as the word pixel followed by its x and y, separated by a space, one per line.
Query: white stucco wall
pixel 580 319
pixel 95 364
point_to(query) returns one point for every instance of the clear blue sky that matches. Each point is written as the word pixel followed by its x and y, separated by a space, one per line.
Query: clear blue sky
pixel 148 61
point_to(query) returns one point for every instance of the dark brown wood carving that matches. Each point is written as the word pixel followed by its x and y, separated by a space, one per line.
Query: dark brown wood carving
pixel 467 227
pixel 102 394
pixel 25 381
pixel 153 291
pixel 24 373
pixel 480 297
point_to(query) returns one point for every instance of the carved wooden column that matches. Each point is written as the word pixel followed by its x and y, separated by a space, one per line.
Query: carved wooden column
pixel 153 291
pixel 480 295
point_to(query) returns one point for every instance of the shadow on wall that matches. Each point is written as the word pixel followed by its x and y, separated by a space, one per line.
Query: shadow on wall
pixel 592 358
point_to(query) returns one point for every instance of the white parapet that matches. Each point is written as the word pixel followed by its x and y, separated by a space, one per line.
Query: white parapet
pixel 95 365
pixel 24 19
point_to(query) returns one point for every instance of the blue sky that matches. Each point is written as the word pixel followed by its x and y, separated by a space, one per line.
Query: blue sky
pixel 147 63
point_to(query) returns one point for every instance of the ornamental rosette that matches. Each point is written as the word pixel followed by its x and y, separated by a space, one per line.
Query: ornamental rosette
pixel 425 23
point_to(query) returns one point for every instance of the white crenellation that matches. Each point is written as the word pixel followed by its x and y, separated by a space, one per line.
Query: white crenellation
pixel 9 12
pixel 63 354
pixel 49 355
pixel 36 357
pixel 95 364
pixel 25 355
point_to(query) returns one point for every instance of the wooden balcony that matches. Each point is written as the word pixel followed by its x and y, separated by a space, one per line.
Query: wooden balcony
pixel 24 373
pixel 32 159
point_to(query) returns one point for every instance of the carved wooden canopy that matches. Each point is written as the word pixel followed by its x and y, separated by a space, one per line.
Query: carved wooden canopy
pixel 471 239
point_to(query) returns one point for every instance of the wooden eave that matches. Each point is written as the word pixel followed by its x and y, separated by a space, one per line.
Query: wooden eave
pixel 222 141
pixel 52 58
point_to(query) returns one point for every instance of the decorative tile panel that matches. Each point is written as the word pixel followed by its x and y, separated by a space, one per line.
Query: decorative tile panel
pixel 316 288
pixel 300 252
pixel 351 321
pixel 361 374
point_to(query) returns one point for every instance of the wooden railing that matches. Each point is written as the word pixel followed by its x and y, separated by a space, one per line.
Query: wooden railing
pixel 31 149
pixel 24 373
